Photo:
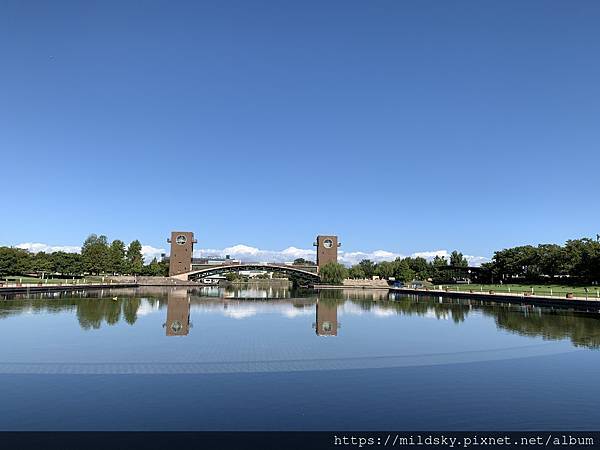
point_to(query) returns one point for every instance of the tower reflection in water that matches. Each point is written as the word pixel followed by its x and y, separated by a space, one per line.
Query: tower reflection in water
pixel 327 321
pixel 178 313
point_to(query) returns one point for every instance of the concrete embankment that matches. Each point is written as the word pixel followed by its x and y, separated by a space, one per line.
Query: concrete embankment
pixel 589 304
pixel 356 284
pixel 537 300
pixel 154 281
pixel 111 283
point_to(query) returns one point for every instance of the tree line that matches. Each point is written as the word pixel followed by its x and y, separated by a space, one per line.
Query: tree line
pixel 401 269
pixel 97 257
pixel 578 261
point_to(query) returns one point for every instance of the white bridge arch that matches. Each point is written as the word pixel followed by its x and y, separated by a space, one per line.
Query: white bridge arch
pixel 302 272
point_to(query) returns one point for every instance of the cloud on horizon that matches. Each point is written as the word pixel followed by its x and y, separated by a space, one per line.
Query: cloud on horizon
pixel 35 247
pixel 248 253
pixel 254 254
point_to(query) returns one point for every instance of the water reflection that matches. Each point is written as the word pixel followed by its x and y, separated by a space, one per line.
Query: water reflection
pixel 178 313
pixel 327 318
pixel 97 309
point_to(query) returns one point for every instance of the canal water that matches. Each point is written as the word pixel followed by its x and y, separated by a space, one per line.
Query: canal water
pixel 280 359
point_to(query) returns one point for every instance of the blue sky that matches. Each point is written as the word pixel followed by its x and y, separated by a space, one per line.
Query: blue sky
pixel 400 126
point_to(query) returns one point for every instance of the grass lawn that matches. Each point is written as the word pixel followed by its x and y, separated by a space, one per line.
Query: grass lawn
pixel 34 280
pixel 539 289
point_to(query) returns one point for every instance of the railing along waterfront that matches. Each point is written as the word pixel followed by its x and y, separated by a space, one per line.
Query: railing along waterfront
pixel 519 292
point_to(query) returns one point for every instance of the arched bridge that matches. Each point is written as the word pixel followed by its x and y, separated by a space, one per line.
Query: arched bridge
pixel 181 262
pixel 304 273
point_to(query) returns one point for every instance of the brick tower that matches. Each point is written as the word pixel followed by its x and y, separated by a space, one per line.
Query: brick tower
pixel 182 246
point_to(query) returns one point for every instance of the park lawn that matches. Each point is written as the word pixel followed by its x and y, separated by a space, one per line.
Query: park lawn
pixel 539 289
pixel 34 280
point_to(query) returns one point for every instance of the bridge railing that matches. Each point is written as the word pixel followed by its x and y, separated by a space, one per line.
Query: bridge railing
pixel 267 265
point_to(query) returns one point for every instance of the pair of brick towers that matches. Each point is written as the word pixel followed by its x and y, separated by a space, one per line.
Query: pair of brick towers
pixel 182 248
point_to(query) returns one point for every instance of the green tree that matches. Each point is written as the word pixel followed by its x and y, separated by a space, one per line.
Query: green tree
pixel 552 259
pixel 95 254
pixel 117 257
pixel 303 262
pixel 458 260
pixel 24 261
pixel 8 261
pixel 356 272
pixel 156 269
pixel 518 262
pixel 583 256
pixel 488 273
pixel 368 267
pixel 42 262
pixel 130 309
pixel 14 261
pixel 439 274
pixel 403 271
pixel 232 276
pixel 60 262
pixel 578 258
pixel 421 268
pixel 333 273
pixel 74 264
pixel 135 260
pixel 384 269
pixel 440 261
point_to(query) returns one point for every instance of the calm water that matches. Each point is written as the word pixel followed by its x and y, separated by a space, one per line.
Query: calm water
pixel 276 359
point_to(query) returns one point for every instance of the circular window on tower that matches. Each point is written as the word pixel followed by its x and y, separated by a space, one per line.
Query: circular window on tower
pixel 181 239
pixel 327 243
pixel 176 326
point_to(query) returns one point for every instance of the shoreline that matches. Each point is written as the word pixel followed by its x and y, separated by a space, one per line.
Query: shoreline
pixel 63 287
pixel 537 300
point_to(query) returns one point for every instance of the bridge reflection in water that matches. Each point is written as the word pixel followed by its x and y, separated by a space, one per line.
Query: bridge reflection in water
pixel 178 315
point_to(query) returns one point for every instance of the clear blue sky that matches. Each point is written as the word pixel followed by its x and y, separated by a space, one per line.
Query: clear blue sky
pixel 405 126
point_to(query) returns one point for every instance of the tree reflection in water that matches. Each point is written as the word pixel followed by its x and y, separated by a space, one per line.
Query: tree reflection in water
pixel 97 308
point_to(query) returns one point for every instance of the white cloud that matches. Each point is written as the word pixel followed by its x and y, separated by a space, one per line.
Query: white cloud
pixel 294 253
pixel 351 258
pixel 239 314
pixel 476 261
pixel 350 309
pixel 149 252
pixel 431 255
pixel 295 312
pixel 245 310
pixel 241 249
pixel 253 254
pixel 438 315
pixel 35 247
pixel 147 308
pixel 383 312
